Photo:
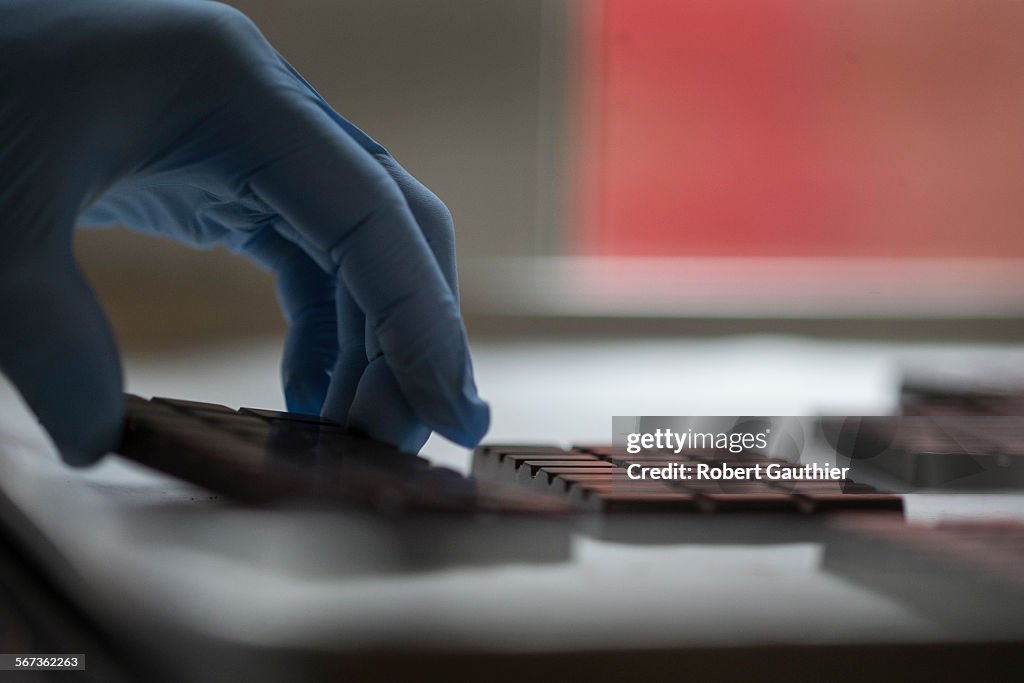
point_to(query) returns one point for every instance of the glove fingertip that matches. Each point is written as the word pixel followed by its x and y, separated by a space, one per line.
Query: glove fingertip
pixel 474 425
pixel 84 436
pixel 379 410
pixel 305 397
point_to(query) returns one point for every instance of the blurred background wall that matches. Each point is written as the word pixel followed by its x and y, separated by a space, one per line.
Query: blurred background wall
pixel 850 168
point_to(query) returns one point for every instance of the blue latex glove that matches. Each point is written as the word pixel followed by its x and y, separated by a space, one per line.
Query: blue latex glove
pixel 178 118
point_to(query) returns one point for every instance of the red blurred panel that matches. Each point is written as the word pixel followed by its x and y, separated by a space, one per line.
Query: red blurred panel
pixel 800 127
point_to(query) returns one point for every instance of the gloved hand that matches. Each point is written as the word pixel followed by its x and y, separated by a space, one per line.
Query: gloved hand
pixel 176 117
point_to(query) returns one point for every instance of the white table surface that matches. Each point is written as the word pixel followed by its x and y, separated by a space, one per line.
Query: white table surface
pixel 603 594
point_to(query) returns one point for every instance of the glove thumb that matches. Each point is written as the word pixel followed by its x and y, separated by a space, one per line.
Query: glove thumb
pixel 58 350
